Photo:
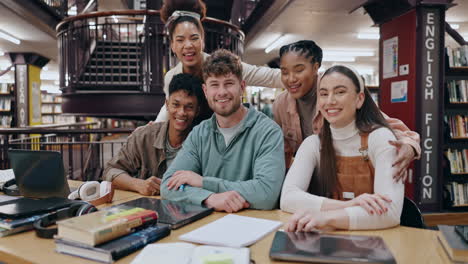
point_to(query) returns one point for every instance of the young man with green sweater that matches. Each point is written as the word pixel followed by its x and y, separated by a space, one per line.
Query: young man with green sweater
pixel 235 159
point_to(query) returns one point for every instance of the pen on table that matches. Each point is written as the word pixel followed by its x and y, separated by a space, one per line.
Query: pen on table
pixel 181 187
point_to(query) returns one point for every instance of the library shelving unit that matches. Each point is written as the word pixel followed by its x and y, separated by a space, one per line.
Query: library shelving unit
pixel 412 80
pixel 6 104
pixel 51 108
pixel 455 180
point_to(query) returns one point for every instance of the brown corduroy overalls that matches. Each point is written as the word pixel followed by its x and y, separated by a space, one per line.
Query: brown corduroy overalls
pixel 355 174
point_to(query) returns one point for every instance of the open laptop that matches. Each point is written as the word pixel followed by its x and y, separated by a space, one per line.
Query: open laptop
pixel 39 173
pixel 329 248
pixel 175 214
pixel 41 179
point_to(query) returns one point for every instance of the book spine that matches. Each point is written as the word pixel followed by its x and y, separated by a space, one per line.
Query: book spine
pixel 137 240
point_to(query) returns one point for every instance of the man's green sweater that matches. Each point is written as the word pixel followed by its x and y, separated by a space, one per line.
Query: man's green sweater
pixel 252 164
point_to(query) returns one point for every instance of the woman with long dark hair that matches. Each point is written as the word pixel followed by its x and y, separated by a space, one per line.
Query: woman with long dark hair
pixel 353 187
pixel 187 38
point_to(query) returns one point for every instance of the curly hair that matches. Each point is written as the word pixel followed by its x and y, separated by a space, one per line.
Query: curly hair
pixel 196 6
pixel 222 62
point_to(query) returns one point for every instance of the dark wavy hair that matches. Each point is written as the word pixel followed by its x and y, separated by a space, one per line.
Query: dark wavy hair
pixel 368 118
pixel 196 6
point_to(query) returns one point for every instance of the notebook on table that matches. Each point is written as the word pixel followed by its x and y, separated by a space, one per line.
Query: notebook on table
pixel 232 231
pixel 175 214
pixel 41 179
pixel 329 248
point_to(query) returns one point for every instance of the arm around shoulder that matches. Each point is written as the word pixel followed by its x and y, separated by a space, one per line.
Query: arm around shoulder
pixel 404 134
pixel 261 76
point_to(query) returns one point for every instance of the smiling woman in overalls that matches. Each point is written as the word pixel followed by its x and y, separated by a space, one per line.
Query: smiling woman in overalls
pixel 353 187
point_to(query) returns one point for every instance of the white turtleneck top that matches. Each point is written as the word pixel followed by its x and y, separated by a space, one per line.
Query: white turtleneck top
pixel 347 141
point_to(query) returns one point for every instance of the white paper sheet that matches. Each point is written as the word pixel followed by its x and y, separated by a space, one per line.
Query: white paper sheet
pixel 232 231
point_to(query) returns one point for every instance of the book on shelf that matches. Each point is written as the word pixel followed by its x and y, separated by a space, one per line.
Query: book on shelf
pixel 458 125
pixel 48 119
pixel 95 228
pixel 457 91
pixel 58 109
pixel 114 249
pixel 5 120
pixel 454 245
pixel 457 57
pixel 177 253
pixel 458 193
pixel 47 109
pixel 5 104
pixel 458 159
pixel 5 88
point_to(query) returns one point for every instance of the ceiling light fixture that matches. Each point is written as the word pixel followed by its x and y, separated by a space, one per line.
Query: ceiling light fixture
pixel 275 43
pixel 10 38
pixel 349 53
pixel 368 36
pixel 454 26
pixel 339 58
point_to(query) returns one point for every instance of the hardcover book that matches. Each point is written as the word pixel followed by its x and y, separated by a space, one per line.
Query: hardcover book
pixel 95 228
pixel 114 249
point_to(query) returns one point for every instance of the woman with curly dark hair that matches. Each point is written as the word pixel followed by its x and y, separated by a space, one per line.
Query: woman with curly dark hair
pixel 187 37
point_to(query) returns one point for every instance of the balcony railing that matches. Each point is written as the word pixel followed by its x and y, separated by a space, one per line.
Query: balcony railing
pixel 85 150
pixel 125 51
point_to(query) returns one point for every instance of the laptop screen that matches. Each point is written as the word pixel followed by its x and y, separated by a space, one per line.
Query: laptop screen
pixel 39 174
pixel 329 248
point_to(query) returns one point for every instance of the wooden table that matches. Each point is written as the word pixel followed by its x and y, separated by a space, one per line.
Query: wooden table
pixel 408 245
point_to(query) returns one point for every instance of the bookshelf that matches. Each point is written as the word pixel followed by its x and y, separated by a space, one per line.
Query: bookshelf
pixel 51 108
pixel 455 180
pixel 6 104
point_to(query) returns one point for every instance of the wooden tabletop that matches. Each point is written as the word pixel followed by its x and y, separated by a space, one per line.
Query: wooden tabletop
pixel 408 245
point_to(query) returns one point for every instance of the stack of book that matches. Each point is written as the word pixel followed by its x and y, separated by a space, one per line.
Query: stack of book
pixel 109 234
pixel 9 226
